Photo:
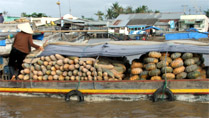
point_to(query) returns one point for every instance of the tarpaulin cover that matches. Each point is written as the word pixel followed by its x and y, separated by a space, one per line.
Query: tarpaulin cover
pixel 186 35
pixel 115 49
pixel 2 42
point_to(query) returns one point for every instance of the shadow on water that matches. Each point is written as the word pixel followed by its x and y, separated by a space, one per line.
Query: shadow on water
pixel 34 107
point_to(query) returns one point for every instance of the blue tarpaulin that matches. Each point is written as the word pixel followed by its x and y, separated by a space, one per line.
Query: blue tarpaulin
pixel 151 27
pixel 186 35
pixel 2 42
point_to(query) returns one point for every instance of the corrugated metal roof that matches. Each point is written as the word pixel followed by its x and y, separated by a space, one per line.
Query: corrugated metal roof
pixel 142 22
pixel 143 18
pixel 171 15
pixel 96 23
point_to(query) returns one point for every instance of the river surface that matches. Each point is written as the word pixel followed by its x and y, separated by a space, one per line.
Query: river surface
pixel 40 107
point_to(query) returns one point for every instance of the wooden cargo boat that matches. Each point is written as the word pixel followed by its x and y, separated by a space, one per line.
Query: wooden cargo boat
pixel 133 90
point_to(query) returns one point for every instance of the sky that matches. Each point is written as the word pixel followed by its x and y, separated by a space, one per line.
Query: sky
pixel 88 8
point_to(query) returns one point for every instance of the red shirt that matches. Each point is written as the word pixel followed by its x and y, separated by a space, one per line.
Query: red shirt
pixel 23 42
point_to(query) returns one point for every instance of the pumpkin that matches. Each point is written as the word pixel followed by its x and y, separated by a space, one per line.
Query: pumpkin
pixel 168 59
pixel 58 72
pixel 20 76
pixel 40 73
pixel 32 68
pixel 77 66
pixel 26 77
pixel 48 72
pixel 191 68
pixel 136 71
pixel 187 55
pixel 67 78
pixel 135 77
pixel 179 70
pixel 53 68
pixel 150 66
pixel 144 75
pixel 50 77
pixel 59 57
pixel 45 77
pixel 189 62
pixel 46 63
pixel 70 73
pixel 164 54
pixel 89 62
pixel 42 58
pixel 203 74
pixel 53 72
pixel 57 67
pixel 75 72
pixel 48 67
pixel 196 59
pixel 39 62
pixel 175 55
pixel 72 58
pixel 47 58
pixel 60 62
pixel 181 75
pixel 154 54
pixel 66 66
pixel 150 60
pixel 71 67
pixel 156 78
pixel 64 73
pixel 25 65
pixel 35 77
pixel 72 78
pixel 162 64
pixel 88 66
pixel 154 72
pixel 136 65
pixel 193 75
pixel 177 63
pixel 55 77
pixel 66 60
pixel 40 78
pixel 167 69
pixel 61 78
pixel 168 76
pixel 26 71
pixel 53 58
pixel 37 67
pixel 76 61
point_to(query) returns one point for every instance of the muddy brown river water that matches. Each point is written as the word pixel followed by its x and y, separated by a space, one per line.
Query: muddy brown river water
pixel 40 107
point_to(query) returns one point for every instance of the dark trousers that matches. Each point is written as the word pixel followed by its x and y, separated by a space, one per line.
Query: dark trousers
pixel 16 58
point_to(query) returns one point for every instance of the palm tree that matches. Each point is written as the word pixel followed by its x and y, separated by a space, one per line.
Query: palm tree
pixel 207 13
pixel 129 9
pixel 109 14
pixel 142 9
pixel 100 15
pixel 117 9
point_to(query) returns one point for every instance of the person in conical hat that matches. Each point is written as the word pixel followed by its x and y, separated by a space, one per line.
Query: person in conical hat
pixel 21 47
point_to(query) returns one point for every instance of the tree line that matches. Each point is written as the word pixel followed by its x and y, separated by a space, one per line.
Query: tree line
pixel 34 14
pixel 116 9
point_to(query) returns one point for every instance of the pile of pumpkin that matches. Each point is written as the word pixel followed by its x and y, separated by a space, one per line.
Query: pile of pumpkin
pixel 158 66
pixel 58 67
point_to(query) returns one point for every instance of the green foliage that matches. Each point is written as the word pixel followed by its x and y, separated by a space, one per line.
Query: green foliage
pixel 207 13
pixel 100 15
pixel 115 10
pixel 34 14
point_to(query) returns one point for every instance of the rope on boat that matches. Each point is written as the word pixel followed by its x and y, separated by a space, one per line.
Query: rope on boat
pixel 79 80
pixel 165 83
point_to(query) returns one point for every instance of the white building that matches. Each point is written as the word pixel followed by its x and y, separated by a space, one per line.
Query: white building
pixel 42 20
pixel 199 22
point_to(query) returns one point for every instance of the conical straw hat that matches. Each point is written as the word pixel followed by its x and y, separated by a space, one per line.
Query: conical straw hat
pixel 25 27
